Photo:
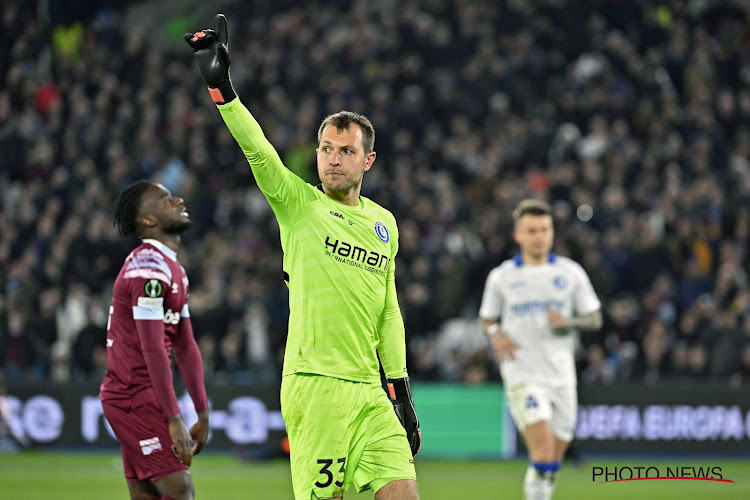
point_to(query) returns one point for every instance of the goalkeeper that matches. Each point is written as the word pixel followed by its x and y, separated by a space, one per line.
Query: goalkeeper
pixel 339 264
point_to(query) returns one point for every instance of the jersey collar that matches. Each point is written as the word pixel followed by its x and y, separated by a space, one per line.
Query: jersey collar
pixel 162 248
pixel 519 261
pixel 361 204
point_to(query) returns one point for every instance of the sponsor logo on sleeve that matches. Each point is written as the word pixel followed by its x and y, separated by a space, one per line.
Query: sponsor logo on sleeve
pixel 150 301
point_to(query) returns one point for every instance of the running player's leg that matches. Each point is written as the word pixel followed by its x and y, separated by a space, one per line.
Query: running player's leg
pixel 531 409
pixel 561 446
pixel 542 470
pixel 564 412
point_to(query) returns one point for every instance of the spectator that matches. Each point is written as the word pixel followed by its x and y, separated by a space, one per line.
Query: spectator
pixel 478 105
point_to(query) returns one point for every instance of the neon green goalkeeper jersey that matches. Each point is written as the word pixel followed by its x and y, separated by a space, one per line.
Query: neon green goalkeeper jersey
pixel 339 263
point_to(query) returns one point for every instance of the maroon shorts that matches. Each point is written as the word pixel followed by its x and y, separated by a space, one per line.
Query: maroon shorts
pixel 144 438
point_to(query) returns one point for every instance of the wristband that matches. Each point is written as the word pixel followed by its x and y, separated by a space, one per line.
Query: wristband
pixel 493 329
pixel 223 93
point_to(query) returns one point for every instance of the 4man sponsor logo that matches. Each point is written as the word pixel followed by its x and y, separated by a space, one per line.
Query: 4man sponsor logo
pixel 357 256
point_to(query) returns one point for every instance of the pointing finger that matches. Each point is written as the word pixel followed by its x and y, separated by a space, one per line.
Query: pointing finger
pixel 222 32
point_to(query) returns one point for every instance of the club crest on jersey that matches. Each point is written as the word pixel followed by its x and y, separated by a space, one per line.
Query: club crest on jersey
pixel 153 288
pixel 560 282
pixel 382 232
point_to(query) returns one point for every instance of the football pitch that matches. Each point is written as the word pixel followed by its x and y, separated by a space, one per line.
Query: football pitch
pixel 41 475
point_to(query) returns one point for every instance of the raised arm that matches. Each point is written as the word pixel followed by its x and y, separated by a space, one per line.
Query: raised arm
pixel 286 192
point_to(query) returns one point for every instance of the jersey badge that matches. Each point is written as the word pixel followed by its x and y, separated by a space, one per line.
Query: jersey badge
pixel 382 232
pixel 153 288
pixel 560 282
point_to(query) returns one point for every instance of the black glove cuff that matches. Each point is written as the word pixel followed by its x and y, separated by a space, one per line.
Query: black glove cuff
pixel 399 390
pixel 223 93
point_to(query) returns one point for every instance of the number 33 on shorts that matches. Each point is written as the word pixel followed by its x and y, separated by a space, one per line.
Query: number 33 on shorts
pixel 325 470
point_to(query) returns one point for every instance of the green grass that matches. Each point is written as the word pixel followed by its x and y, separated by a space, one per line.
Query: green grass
pixel 98 475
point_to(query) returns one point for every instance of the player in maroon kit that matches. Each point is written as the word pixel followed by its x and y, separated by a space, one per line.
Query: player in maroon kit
pixel 148 318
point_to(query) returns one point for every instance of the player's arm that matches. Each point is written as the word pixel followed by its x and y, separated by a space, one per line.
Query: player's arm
pixel 392 352
pixel 392 343
pixel 489 317
pixel 586 322
pixel 587 309
pixel 191 367
pixel 284 190
pixel 502 344
pixel 148 313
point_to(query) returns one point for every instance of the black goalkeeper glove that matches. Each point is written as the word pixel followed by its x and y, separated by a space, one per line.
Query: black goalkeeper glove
pixel 400 395
pixel 212 56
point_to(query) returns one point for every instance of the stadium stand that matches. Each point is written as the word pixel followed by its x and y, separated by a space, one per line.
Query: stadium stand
pixel 639 110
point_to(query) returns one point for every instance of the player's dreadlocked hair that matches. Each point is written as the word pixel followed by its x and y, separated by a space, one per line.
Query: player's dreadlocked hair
pixel 127 206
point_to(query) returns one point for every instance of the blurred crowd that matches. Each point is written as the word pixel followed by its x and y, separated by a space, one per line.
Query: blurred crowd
pixel 632 118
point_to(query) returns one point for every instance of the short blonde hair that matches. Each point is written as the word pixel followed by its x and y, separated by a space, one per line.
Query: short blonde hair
pixel 531 207
pixel 343 119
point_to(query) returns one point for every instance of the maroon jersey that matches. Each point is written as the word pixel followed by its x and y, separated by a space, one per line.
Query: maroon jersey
pixel 148 313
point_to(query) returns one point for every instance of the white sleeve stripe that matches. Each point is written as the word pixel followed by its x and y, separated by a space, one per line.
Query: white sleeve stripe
pixel 185 313
pixel 140 312
pixel 149 262
pixel 147 274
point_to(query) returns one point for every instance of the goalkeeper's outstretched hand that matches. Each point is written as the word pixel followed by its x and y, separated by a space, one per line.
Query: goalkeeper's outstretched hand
pixel 212 56
pixel 400 394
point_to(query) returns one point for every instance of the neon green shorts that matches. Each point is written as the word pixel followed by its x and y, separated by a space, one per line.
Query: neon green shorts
pixel 341 433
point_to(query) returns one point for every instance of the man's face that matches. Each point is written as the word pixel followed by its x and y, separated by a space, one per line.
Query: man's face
pixel 341 158
pixel 159 206
pixel 534 234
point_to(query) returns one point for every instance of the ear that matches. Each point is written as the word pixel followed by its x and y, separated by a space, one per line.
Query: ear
pixel 515 236
pixel 369 160
pixel 148 221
